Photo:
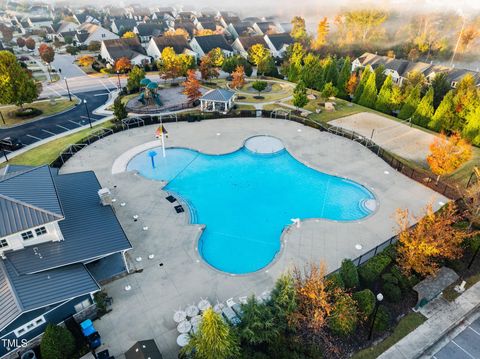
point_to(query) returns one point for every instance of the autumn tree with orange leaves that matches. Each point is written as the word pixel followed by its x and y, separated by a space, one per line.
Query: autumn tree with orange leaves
pixel 447 154
pixel 352 83
pixel 238 77
pixel 123 65
pixel 421 249
pixel 86 60
pixel 192 86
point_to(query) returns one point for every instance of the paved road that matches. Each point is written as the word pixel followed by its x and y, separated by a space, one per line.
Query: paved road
pixel 465 345
pixel 50 126
pixel 66 65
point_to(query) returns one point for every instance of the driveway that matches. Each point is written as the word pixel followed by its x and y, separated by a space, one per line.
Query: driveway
pixel 67 67
pixel 53 125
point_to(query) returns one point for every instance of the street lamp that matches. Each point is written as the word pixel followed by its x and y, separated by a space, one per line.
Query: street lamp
pixel 118 78
pixel 377 304
pixel 88 113
pixel 68 89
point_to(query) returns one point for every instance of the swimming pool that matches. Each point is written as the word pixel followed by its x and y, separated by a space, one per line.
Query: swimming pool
pixel 246 199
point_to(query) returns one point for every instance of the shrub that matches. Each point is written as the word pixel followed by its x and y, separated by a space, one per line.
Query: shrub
pixel 336 281
pixel 57 343
pixel 371 271
pixel 382 320
pixel 390 278
pixel 349 274
pixel 365 301
pixel 28 112
pixel 406 283
pixel 392 292
pixel 344 318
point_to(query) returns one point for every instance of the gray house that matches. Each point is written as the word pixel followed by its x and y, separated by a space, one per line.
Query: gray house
pixel 57 243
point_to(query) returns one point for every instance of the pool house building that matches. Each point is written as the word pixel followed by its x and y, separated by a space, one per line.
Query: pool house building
pixel 218 100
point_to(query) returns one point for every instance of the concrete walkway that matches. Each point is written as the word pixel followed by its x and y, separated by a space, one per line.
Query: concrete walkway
pixel 447 316
pixel 177 275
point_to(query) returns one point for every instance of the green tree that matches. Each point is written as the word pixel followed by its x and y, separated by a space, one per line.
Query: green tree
pixel 361 85
pixel 293 64
pixel 283 300
pixel 119 109
pixel 440 87
pixel 343 77
pixel 17 85
pixel 217 57
pixel 410 104
pixel 330 71
pixel 384 99
pixel 369 94
pixel 259 86
pixel 344 318
pixel 231 63
pixel 258 323
pixel 300 95
pixel 380 76
pixel 134 77
pixel 57 343
pixel 214 340
pixel 349 274
pixel 299 30
pixel 312 72
pixel 465 100
pixel 365 301
pixel 424 112
pixel 471 130
pixel 329 90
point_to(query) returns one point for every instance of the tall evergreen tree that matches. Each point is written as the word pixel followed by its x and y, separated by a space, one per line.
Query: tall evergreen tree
pixel 300 95
pixel 445 115
pixel 312 72
pixel 380 76
pixel 343 78
pixel 466 99
pixel 361 85
pixel 472 126
pixel 330 71
pixel 410 104
pixel 384 99
pixel 424 111
pixel 440 87
pixel 369 94
pixel 258 323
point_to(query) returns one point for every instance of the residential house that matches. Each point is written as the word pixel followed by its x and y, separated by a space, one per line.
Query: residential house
pixel 243 44
pixel 138 14
pixel 86 16
pixel 267 27
pixel 177 42
pixel 89 32
pixel 146 31
pixel 65 26
pixel 210 25
pixel 202 45
pixel 187 25
pixel 227 18
pixel 238 29
pixel 278 43
pixel 39 22
pixel 132 49
pixel 57 243
pixel 123 25
pixel 399 69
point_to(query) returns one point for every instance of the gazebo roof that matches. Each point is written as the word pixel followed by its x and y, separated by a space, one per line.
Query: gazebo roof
pixel 145 81
pixel 152 85
pixel 218 95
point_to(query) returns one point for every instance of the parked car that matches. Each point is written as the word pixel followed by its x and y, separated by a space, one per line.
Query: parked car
pixel 10 144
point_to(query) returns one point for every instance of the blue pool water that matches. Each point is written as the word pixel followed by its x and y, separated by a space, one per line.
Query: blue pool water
pixel 246 199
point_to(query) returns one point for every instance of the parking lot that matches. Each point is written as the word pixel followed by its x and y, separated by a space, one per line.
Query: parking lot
pixel 465 345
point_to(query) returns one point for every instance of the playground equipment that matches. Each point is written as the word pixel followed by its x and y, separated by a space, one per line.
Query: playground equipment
pixel 149 95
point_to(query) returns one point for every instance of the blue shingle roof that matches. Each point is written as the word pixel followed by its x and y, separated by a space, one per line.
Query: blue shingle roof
pixel 90 230
pixel 218 95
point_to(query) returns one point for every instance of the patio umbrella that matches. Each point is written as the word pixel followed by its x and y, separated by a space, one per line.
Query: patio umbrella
pixel 144 349
pixel 184 327
pixel 191 311
pixel 204 304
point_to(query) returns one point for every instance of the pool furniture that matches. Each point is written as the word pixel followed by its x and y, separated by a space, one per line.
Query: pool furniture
pixel 218 307
pixel 184 326
pixel 191 310
pixel 183 340
pixel 243 300
pixel 179 316
pixel 203 305
pixel 230 316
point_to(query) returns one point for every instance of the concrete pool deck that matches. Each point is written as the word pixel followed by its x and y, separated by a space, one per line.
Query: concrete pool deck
pixel 146 311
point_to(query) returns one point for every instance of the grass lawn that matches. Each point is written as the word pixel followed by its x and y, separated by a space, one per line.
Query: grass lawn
pixel 404 327
pixel 127 98
pixel 48 152
pixel 61 104
pixel 245 107
pixel 450 294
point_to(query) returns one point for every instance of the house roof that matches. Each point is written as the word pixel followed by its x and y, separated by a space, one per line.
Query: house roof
pixel 129 48
pixel 144 349
pixel 40 19
pixel 177 42
pixel 127 24
pixel 280 40
pixel 242 28
pixel 90 230
pixel 265 26
pixel 210 25
pixel 220 95
pixel 248 41
pixel 151 29
pixel 188 26
pixel 210 42
pixel 28 198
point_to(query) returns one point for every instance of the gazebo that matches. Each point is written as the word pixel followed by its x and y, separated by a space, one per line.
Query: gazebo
pixel 220 100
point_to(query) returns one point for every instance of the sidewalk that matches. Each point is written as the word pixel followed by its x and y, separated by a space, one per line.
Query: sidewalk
pixel 447 316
